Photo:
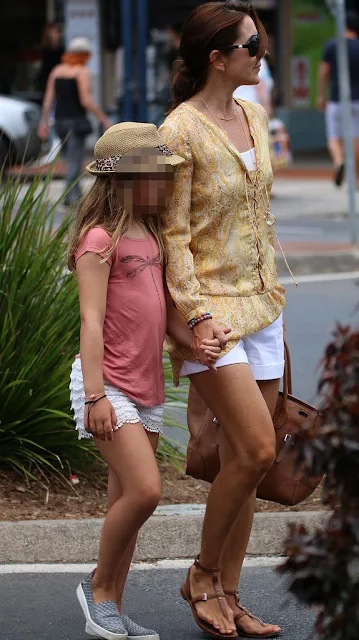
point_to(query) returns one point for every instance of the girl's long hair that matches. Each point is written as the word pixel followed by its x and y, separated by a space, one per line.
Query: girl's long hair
pixel 99 209
pixel 213 25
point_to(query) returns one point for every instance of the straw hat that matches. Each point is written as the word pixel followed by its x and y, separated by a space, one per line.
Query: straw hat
pixel 79 45
pixel 124 138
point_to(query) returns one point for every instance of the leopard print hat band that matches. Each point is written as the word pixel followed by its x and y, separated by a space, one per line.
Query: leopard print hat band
pixel 120 139
pixel 109 164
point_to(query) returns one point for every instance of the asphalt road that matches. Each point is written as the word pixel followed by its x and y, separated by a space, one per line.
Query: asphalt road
pixel 318 230
pixel 44 607
pixel 312 312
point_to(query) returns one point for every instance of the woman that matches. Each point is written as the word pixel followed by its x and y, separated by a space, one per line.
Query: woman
pixel 52 52
pixel 221 272
pixel 69 84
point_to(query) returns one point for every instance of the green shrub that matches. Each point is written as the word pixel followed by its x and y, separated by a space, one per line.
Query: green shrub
pixel 39 336
pixel 323 566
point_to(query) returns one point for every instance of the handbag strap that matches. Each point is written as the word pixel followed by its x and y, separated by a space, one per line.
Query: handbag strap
pixel 287 379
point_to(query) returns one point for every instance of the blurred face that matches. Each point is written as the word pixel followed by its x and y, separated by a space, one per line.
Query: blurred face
pixel 55 35
pixel 144 182
pixel 240 67
pixel 145 194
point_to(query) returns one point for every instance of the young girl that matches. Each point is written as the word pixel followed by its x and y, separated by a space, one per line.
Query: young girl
pixel 117 382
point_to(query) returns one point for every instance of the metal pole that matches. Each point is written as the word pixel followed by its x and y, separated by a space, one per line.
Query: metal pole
pixel 345 98
pixel 142 25
pixel 126 24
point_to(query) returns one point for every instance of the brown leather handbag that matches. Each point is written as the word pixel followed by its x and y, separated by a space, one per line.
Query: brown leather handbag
pixel 282 483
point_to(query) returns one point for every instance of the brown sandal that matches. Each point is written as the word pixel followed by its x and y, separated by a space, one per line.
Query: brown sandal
pixel 218 595
pixel 245 612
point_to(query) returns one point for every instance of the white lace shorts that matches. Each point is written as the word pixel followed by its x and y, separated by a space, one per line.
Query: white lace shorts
pixel 127 410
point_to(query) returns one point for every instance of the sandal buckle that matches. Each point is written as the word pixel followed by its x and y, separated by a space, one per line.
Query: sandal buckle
pixel 204 597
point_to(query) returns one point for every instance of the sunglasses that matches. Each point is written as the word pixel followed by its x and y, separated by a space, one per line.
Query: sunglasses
pixel 252 45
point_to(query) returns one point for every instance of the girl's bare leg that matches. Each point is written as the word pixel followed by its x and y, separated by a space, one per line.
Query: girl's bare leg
pixel 131 459
pixel 237 541
pixel 114 494
pixel 236 400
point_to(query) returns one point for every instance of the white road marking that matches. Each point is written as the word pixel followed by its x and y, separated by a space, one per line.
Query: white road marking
pixel 321 277
pixel 6 569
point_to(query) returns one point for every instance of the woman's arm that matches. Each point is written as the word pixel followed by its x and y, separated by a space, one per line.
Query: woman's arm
pixel 86 99
pixel 180 273
pixel 92 276
pixel 43 129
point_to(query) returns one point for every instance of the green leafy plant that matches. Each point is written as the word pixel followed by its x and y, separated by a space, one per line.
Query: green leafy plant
pixel 323 566
pixel 39 336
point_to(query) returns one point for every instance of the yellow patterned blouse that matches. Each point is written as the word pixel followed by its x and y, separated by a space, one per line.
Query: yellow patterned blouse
pixel 219 244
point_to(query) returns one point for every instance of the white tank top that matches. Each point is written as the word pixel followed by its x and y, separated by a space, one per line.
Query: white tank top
pixel 249 159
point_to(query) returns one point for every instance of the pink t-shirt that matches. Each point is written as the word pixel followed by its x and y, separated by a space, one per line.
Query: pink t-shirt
pixel 135 321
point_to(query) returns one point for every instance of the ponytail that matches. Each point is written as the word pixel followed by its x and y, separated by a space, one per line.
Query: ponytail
pixel 185 83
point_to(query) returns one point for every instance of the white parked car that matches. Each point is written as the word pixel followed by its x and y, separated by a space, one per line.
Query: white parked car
pixel 19 142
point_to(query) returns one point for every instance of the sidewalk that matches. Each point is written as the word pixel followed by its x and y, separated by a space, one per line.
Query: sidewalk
pixel 300 195
pixel 299 201
pixel 172 532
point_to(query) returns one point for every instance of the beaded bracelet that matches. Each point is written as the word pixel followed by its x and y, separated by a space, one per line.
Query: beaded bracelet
pixel 195 321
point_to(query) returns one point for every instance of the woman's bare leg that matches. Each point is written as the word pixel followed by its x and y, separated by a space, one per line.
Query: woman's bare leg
pixel 237 541
pixel 131 458
pixel 114 493
pixel 236 400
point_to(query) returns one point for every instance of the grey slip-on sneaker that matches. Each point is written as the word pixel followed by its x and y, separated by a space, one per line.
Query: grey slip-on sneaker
pixel 135 632
pixel 103 619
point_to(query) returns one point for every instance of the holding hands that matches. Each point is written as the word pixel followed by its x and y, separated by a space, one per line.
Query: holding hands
pixel 208 341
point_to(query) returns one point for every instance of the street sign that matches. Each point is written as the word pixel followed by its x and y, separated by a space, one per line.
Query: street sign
pixel 300 81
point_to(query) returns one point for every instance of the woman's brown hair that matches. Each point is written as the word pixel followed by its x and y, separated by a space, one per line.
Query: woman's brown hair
pixel 211 26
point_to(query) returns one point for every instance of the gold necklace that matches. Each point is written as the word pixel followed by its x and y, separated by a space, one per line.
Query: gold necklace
pixel 220 117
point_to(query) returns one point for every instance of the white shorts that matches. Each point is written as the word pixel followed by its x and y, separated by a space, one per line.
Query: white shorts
pixel 333 120
pixel 127 411
pixel 263 351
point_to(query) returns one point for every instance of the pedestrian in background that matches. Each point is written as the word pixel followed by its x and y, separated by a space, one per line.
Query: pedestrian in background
pixel 329 80
pixel 117 381
pixel 51 53
pixel 221 272
pixel 69 86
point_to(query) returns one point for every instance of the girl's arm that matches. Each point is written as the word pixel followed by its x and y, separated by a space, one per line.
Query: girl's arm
pixel 92 276
pixel 177 327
